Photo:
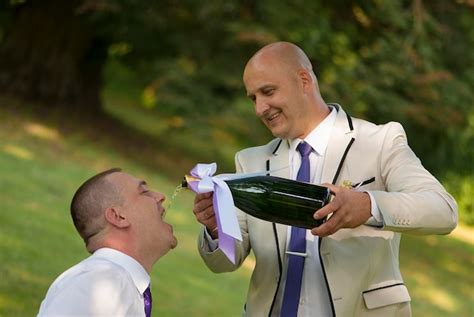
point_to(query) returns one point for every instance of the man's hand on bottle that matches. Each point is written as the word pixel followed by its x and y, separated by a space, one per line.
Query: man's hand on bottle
pixel 204 212
pixel 349 209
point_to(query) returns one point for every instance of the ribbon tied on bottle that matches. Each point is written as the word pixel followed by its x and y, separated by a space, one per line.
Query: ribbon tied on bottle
pixel 223 203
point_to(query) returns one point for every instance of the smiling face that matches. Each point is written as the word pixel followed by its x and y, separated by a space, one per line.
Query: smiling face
pixel 143 209
pixel 275 96
pixel 280 83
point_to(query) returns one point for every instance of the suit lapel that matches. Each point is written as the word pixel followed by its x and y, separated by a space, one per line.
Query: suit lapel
pixel 279 160
pixel 339 143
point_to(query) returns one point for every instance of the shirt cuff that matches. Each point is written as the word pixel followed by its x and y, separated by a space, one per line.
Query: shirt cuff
pixel 212 244
pixel 377 219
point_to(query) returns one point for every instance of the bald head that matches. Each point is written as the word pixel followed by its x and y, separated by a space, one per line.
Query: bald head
pixel 280 81
pixel 282 54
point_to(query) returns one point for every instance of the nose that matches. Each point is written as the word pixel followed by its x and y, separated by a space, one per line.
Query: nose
pixel 159 197
pixel 261 106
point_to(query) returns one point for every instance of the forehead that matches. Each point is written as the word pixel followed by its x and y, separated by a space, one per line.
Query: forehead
pixel 260 73
pixel 125 181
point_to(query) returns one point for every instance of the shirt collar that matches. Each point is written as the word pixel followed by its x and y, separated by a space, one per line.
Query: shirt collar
pixel 318 138
pixel 139 275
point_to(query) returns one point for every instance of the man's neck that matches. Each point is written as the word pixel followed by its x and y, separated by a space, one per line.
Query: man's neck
pixel 318 116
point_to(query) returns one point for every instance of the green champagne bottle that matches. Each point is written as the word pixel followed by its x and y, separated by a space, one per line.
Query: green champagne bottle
pixel 277 199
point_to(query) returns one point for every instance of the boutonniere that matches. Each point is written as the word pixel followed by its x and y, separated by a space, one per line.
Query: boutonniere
pixel 347 184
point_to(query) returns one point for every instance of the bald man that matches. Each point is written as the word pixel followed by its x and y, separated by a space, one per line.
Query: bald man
pixel 121 223
pixel 348 266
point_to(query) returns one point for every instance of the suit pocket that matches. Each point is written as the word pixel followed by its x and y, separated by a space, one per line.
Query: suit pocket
pixel 386 295
pixel 363 183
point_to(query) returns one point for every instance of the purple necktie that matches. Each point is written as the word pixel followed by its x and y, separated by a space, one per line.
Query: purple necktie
pixel 147 299
pixel 294 275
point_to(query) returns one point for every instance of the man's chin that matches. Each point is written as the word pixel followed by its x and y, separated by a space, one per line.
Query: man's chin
pixel 174 243
pixel 278 130
pixel 278 133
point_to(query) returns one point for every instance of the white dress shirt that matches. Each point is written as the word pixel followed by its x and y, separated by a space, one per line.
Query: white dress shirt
pixel 108 283
pixel 314 298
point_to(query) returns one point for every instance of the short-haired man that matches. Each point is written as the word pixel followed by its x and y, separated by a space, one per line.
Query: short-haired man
pixel 121 223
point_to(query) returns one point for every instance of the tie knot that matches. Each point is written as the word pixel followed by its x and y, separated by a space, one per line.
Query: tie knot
pixel 147 291
pixel 304 149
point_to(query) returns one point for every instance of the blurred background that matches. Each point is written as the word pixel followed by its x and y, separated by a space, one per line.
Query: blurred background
pixel 155 87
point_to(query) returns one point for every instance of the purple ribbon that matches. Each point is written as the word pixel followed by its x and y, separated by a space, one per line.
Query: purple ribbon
pixel 224 209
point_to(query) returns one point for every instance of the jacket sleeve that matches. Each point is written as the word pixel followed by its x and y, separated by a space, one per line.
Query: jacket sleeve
pixel 414 201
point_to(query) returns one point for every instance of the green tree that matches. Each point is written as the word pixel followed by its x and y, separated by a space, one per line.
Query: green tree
pixel 50 54
pixel 54 51
pixel 400 60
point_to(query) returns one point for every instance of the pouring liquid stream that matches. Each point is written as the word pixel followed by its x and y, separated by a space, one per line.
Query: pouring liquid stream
pixel 173 197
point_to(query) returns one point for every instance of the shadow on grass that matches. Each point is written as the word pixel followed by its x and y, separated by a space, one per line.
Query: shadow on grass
pixel 168 154
pixel 438 273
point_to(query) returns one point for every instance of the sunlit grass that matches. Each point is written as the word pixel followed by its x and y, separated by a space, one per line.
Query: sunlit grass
pixel 211 138
pixel 41 166
pixel 18 151
pixel 38 240
pixel 438 273
pixel 41 131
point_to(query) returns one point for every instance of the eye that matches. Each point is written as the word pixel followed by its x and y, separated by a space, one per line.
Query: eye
pixel 268 91
pixel 145 191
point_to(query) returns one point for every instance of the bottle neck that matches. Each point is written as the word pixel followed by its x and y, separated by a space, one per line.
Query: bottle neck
pixel 187 179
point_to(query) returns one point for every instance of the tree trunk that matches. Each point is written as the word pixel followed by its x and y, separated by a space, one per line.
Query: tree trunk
pixel 52 57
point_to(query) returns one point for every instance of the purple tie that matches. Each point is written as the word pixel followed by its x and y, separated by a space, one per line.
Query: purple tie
pixel 147 299
pixel 294 275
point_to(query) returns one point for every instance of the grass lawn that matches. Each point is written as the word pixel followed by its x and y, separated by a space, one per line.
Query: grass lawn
pixel 40 168
pixel 43 162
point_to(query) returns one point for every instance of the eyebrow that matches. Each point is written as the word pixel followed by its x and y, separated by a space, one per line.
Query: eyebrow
pixel 142 183
pixel 262 88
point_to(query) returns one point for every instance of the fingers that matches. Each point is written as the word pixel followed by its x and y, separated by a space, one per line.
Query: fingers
pixel 200 197
pixel 332 225
pixel 203 208
pixel 328 209
pixel 202 202
pixel 348 209
pixel 333 188
pixel 204 211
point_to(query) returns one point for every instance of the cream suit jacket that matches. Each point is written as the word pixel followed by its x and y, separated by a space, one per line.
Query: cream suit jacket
pixel 360 265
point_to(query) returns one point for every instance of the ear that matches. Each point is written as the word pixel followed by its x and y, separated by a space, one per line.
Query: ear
pixel 115 218
pixel 306 80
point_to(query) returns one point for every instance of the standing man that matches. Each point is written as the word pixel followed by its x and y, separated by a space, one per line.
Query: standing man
pixel 349 265
pixel 121 223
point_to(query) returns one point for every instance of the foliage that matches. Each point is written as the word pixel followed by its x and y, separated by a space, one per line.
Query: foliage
pixel 173 77
pixel 407 61
pixel 462 187
pixel 387 61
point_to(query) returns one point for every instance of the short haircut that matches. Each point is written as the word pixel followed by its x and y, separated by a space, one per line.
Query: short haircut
pixel 89 202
